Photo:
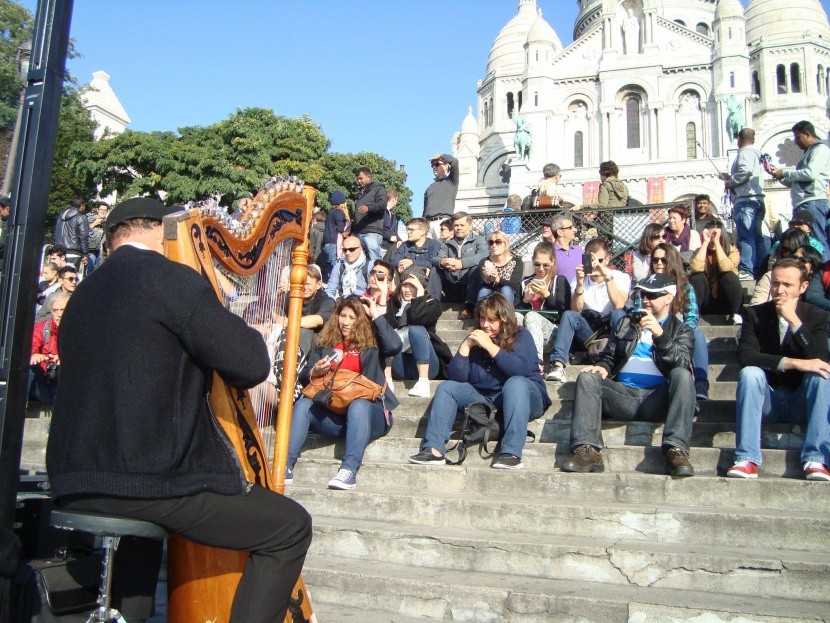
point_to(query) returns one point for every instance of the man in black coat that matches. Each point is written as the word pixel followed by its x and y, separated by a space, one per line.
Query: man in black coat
pixel 132 435
pixel 784 374
pixel 644 373
pixel 369 208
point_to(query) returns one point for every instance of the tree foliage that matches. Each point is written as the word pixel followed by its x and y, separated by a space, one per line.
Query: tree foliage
pixel 229 158
pixel 15 28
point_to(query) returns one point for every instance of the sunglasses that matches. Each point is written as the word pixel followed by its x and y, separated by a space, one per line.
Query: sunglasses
pixel 350 249
pixel 378 273
pixel 492 242
pixel 661 259
pixel 654 295
pixel 436 164
pixel 70 278
pixel 658 237
pixel 540 265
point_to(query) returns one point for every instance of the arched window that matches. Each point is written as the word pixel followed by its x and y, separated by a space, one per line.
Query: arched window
pixel 535 98
pixel 795 78
pixel 681 22
pixel 537 56
pixel 510 106
pixel 729 32
pixel 756 84
pixel 490 122
pixel 520 101
pixel 781 79
pixel 731 79
pixel 579 150
pixel 820 80
pixel 691 141
pixel 703 29
pixel 632 121
pixel 486 114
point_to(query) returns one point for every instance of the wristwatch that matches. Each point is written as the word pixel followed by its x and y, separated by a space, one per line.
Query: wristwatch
pixel 610 277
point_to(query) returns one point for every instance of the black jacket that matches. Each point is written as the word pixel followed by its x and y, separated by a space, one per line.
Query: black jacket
pixel 424 311
pixel 672 349
pixel 371 359
pixel 72 230
pixel 439 197
pixel 136 423
pixel 421 256
pixel 374 197
pixel 760 343
pixel 559 299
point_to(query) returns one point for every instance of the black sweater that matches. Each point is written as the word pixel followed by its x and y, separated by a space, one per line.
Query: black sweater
pixel 138 341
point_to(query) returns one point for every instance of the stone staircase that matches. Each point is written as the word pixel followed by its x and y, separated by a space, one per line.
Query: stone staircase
pixel 631 545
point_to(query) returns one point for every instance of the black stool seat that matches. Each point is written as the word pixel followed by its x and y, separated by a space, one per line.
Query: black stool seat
pixel 105 525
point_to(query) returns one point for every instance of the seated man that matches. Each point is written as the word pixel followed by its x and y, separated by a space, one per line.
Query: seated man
pixel 419 250
pixel 45 362
pixel 644 373
pixel 458 256
pixel 784 374
pixel 606 289
pixel 317 308
pixel 350 275
pixel 68 279
pixel 48 283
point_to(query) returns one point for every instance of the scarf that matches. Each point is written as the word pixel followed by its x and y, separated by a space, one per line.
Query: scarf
pixel 681 241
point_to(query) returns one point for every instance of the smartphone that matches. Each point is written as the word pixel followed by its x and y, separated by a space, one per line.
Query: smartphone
pixel 336 355
pixel 587 263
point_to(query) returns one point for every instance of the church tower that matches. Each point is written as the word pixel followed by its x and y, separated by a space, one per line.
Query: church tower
pixel 730 71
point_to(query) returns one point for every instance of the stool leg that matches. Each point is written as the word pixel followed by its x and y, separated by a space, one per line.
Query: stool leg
pixel 103 613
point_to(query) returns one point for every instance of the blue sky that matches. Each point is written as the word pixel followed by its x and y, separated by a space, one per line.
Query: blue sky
pixel 393 77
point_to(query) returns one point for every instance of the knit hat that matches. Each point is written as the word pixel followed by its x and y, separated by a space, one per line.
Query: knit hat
pixel 337 198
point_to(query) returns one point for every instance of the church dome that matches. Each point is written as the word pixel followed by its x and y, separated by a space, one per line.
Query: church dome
pixel 469 125
pixel 729 8
pixel 542 32
pixel 508 50
pixel 775 20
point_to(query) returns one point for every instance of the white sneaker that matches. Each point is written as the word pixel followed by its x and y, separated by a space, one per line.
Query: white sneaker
pixel 557 373
pixel 737 320
pixel 421 389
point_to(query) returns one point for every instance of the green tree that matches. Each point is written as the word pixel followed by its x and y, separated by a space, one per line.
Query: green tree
pixel 15 28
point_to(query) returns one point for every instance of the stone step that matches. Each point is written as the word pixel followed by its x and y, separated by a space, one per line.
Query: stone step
pixel 772 573
pixel 724 526
pixel 336 613
pixel 475 477
pixel 446 595
pixel 411 422
pixel 618 459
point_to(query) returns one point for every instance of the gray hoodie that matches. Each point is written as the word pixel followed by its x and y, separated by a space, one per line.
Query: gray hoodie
pixel 808 180
pixel 745 175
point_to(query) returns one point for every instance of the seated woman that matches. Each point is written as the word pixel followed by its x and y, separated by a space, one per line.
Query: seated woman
pixel 500 272
pixel 714 274
pixel 359 335
pixel 496 363
pixel 791 240
pixel 544 291
pixel 680 234
pixel 666 259
pixel 413 313
pixel 381 284
pixel 641 260
pixel 818 290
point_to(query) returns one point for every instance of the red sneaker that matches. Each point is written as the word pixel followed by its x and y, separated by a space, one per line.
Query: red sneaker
pixel 813 470
pixel 743 469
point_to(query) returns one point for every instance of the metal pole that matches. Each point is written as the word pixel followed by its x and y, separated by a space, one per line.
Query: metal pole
pixel 30 194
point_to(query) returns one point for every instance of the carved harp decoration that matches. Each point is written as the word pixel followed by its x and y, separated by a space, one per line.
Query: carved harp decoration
pixel 256 261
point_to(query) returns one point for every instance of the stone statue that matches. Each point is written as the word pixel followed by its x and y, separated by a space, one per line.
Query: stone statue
pixel 689 102
pixel 523 140
pixel 631 33
pixel 735 120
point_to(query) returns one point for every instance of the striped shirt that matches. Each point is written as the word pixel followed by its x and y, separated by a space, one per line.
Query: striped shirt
pixel 640 371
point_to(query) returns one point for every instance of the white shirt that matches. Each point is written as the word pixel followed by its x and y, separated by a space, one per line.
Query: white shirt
pixel 596 293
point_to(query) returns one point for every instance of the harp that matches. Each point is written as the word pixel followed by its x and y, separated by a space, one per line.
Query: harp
pixel 256 262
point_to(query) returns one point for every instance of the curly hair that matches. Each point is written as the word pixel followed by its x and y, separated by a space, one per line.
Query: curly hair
pixel 362 334
pixel 675 270
pixel 498 307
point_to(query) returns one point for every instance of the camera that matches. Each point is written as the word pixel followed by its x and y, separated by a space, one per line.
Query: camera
pixel 52 370
pixel 638 312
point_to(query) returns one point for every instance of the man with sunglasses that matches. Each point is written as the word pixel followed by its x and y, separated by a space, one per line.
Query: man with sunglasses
pixel 439 197
pixel 419 250
pixel 644 373
pixel 568 254
pixel 350 275
pixel 68 278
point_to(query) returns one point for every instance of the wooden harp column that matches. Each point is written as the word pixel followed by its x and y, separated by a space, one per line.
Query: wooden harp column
pixel 202 580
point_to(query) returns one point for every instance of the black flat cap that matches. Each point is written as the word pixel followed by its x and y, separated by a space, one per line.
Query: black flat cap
pixel 139 207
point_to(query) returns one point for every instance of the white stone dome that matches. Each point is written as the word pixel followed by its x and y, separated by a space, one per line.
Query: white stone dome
pixel 469 125
pixel 542 32
pixel 776 20
pixel 729 8
pixel 508 50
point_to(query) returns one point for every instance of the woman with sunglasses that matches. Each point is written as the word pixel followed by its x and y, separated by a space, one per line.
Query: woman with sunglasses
pixel 499 272
pixel 641 260
pixel 414 313
pixel 544 291
pixel 357 337
pixel 791 240
pixel 665 259
pixel 714 274
pixel 496 363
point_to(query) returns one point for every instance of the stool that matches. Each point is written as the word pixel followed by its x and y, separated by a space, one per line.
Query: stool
pixel 110 529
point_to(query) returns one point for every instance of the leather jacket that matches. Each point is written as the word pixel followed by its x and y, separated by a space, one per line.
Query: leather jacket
pixel 672 349
pixel 72 230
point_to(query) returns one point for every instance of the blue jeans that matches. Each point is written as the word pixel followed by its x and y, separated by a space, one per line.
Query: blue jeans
pixel 404 365
pixel 753 246
pixel 700 357
pixel 572 324
pixel 506 290
pixel 330 255
pixel 363 422
pixel 818 208
pixel 519 401
pixel 372 244
pixel 757 402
